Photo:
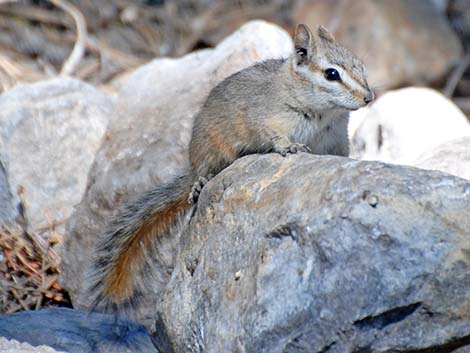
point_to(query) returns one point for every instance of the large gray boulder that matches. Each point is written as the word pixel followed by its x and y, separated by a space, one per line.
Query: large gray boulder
pixel 323 254
pixel 147 143
pixel 49 134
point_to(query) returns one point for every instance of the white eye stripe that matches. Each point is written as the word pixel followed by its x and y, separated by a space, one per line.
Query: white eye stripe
pixel 318 77
pixel 347 80
pixel 350 82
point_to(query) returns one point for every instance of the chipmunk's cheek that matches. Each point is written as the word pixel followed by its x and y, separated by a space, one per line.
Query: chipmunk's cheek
pixel 355 102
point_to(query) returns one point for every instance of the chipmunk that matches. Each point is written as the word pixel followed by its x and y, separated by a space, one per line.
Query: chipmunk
pixel 284 106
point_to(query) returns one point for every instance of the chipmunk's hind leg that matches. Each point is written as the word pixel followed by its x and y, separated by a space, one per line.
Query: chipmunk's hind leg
pixel 197 188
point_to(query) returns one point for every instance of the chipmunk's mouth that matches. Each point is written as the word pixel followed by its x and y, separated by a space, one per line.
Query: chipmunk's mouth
pixel 362 99
pixel 345 107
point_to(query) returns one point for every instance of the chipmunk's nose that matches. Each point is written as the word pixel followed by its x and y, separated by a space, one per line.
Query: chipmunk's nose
pixel 369 97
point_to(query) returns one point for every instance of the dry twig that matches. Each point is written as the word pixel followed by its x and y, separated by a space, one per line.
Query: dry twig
pixel 35 13
pixel 29 270
pixel 456 75
pixel 464 104
pixel 78 51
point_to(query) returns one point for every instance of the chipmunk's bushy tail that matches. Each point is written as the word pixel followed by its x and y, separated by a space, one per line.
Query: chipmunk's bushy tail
pixel 122 252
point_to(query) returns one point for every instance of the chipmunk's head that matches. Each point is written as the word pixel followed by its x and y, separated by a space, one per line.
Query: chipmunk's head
pixel 335 78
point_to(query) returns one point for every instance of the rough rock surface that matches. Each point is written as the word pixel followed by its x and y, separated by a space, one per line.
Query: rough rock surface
pixel 403 124
pixel 148 142
pixel 402 42
pixel 75 331
pixel 13 346
pixel 7 210
pixel 451 157
pixel 323 254
pixel 49 134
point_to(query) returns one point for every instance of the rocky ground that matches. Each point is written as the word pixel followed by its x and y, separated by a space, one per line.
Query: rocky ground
pixel 298 254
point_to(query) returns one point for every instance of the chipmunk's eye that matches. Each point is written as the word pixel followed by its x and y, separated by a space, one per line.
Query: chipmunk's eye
pixel 332 75
pixel 301 51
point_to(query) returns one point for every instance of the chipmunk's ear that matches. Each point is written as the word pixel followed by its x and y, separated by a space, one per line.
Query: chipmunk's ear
pixel 304 44
pixel 324 34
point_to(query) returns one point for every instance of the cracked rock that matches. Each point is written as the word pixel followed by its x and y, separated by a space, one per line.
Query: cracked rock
pixel 337 256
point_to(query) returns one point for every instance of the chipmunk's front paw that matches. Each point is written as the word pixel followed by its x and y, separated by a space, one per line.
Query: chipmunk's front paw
pixel 293 148
pixel 197 188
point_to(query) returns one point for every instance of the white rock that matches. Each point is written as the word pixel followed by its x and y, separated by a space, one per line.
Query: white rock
pixel 403 124
pixel 452 157
pixel 49 133
pixel 12 346
pixel 355 120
